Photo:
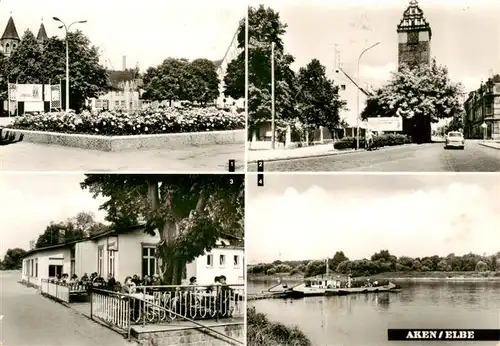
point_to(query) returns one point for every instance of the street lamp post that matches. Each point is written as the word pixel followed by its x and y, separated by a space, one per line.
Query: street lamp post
pixel 67 28
pixel 357 93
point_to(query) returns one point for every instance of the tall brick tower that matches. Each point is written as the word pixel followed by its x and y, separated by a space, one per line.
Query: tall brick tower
pixel 414 37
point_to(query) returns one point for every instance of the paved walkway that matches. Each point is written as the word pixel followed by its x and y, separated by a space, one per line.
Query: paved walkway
pixel 283 154
pixel 304 152
pixel 31 319
pixel 25 156
pixel 490 144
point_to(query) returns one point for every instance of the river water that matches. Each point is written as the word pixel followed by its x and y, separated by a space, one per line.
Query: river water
pixel 364 319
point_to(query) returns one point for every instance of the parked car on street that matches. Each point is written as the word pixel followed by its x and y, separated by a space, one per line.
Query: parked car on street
pixel 455 139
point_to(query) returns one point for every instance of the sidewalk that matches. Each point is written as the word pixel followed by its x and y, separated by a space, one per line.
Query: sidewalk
pixel 490 144
pixel 305 152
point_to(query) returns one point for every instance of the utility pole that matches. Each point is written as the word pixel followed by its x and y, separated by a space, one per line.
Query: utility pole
pixel 273 130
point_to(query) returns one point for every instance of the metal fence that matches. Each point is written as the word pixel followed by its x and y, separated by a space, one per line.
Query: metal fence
pixel 164 304
pixel 112 308
pixel 61 291
pixel 191 302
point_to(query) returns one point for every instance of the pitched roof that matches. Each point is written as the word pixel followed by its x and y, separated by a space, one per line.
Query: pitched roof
pixel 118 77
pixel 42 34
pixel 10 31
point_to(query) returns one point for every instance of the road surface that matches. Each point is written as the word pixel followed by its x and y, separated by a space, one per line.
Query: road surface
pixel 417 158
pixel 31 319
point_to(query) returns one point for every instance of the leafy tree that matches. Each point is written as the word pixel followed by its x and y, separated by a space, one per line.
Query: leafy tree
pixel 338 258
pixel 190 212
pixel 86 223
pixel 33 62
pixel 456 123
pixel 203 81
pixel 13 259
pixel 265 28
pixel 178 79
pixel 315 268
pixel 422 95
pixel 481 266
pixel 319 102
pixel 53 235
pixel 26 64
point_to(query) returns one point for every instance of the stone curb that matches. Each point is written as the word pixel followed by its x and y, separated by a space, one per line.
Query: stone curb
pixel 174 141
pixel 487 145
pixel 335 153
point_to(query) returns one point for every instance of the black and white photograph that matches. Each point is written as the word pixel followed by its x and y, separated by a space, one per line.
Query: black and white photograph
pixel 396 86
pixel 340 259
pixel 122 259
pixel 134 86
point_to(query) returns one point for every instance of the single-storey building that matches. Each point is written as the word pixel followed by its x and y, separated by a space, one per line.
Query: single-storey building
pixel 126 252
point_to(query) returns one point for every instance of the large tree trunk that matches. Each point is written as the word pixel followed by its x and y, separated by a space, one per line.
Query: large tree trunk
pixel 172 269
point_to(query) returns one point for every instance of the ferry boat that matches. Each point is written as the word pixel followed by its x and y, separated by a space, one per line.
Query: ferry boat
pixel 368 289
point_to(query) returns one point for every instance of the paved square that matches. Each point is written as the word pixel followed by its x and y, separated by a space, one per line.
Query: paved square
pixel 23 156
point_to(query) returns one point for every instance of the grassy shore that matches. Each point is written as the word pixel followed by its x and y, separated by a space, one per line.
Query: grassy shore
pixel 396 276
pixel 262 332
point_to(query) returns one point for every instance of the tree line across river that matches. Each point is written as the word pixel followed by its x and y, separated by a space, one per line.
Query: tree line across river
pixel 381 262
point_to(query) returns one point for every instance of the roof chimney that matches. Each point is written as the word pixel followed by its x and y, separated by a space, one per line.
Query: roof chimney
pixel 124 63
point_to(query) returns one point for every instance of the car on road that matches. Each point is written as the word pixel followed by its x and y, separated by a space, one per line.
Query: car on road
pixel 455 139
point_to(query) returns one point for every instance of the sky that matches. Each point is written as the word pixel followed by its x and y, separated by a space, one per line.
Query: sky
pixel 465 38
pixel 300 217
pixel 30 202
pixel 146 31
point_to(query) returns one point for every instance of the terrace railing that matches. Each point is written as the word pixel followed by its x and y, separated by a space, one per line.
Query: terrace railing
pixel 191 302
pixel 61 291
pixel 112 308
pixel 163 304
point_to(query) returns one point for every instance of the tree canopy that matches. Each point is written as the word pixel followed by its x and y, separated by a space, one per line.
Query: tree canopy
pixel 81 226
pixel 266 28
pixel 35 62
pixel 182 80
pixel 318 98
pixel 13 259
pixel 189 212
pixel 381 262
pixel 420 92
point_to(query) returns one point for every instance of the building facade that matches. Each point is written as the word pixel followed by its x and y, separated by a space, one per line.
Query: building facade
pixel 126 93
pixel 126 253
pixel 414 37
pixel 483 107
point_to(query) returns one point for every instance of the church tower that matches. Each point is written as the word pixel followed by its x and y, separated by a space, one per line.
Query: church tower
pixel 10 39
pixel 414 37
pixel 42 34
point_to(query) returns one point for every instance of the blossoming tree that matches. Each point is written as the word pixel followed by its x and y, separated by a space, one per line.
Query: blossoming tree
pixel 422 96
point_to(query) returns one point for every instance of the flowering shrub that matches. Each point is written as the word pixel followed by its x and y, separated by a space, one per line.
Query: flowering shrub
pixel 379 141
pixel 149 121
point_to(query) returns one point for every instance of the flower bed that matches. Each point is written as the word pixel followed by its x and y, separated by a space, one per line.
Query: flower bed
pixel 379 141
pixel 143 122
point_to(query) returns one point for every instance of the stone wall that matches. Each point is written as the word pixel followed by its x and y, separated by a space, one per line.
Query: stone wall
pixel 193 336
pixel 414 54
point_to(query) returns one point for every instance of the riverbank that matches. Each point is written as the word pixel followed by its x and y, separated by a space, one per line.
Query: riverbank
pixel 263 332
pixel 395 276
